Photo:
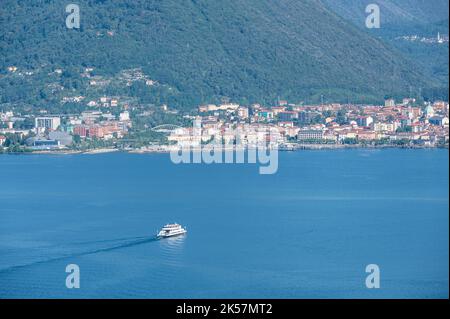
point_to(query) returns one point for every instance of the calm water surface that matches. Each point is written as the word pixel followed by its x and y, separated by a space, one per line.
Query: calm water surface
pixel 306 232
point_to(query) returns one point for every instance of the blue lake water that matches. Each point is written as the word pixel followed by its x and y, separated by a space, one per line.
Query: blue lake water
pixel 306 232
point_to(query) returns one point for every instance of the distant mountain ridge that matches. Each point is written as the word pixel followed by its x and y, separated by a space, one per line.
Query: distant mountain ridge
pixel 423 18
pixel 243 50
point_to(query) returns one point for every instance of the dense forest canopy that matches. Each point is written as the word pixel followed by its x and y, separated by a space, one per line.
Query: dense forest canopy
pixel 202 51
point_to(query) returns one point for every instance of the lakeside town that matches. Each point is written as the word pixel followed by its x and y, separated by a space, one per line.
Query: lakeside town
pixel 113 125
pixel 439 39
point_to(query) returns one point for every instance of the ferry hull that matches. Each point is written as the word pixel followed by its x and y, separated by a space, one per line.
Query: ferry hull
pixel 171 234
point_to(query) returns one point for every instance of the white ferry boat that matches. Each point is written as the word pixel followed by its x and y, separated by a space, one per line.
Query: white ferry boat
pixel 171 230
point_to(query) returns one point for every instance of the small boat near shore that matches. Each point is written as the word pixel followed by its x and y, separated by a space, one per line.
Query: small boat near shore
pixel 171 230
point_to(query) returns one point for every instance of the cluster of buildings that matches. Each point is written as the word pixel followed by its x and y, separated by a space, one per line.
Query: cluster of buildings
pixel 8 125
pixel 127 77
pixel 95 124
pixel 386 124
pixel 56 132
pixel 205 131
pixel 405 123
pixel 391 123
pixel 440 39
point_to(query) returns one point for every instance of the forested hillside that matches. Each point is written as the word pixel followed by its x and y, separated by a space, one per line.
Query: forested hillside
pixel 393 12
pixel 205 50
pixel 422 18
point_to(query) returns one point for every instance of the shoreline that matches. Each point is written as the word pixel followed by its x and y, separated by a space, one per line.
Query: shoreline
pixel 162 149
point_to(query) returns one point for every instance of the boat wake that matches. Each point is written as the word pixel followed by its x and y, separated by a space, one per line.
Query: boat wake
pixel 121 244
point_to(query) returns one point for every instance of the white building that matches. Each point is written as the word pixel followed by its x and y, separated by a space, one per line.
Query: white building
pixel 389 103
pixel 242 112
pixel 364 121
pixel 384 127
pixel 310 135
pixel 429 111
pixel 124 116
pixel 51 123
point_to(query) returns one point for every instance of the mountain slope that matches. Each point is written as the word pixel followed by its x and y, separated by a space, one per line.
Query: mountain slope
pixel 246 50
pixel 399 18
pixel 393 12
